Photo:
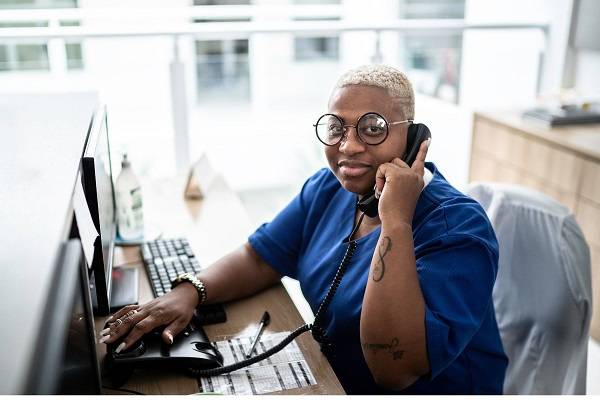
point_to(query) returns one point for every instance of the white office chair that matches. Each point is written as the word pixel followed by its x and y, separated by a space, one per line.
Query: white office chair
pixel 543 294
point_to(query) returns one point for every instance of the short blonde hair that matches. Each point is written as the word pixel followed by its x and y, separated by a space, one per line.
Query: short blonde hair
pixel 393 80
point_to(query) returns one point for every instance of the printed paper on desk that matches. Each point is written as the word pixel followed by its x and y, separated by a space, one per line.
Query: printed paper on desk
pixel 85 225
pixel 284 370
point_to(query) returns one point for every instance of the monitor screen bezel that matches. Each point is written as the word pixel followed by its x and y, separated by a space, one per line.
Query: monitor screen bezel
pixel 101 269
pixel 70 276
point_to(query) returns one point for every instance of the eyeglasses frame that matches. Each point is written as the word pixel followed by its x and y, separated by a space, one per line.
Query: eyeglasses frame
pixel 346 126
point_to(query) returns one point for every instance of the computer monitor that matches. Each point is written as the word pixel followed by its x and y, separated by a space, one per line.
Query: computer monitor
pixel 111 288
pixel 64 360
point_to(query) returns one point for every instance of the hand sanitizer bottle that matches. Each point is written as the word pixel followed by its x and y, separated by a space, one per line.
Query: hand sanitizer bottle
pixel 130 217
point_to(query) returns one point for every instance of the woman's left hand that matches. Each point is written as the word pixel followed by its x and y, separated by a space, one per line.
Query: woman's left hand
pixel 399 187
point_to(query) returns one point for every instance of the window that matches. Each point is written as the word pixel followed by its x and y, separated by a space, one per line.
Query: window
pixel 221 3
pixel 16 4
pixel 30 56
pixel 74 56
pixel 4 61
pixel 34 56
pixel 433 9
pixel 222 69
pixel 316 48
pixel 73 49
pixel 433 61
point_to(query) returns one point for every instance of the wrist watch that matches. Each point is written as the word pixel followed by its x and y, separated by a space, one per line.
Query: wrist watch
pixel 191 278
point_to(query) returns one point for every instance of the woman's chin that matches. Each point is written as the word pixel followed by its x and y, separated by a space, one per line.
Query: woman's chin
pixel 357 187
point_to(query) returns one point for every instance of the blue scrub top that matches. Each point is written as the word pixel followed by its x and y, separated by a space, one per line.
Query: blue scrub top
pixel 456 259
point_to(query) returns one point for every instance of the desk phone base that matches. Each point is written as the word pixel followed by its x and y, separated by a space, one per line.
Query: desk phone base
pixel 191 349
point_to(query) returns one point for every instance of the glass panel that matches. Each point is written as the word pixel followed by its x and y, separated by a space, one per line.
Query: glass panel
pixel 222 69
pixel 220 3
pixel 306 49
pixel 316 48
pixel 70 23
pixel 74 55
pixel 15 4
pixel 434 9
pixel 433 61
pixel 35 56
pixel 434 65
pixel 4 61
pixel 32 56
pixel 22 24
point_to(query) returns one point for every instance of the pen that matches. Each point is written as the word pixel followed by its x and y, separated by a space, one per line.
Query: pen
pixel 264 321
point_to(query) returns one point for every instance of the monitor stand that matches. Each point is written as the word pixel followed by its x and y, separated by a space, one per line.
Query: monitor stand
pixel 124 290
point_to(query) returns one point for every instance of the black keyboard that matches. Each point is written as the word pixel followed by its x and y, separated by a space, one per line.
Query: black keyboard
pixel 165 259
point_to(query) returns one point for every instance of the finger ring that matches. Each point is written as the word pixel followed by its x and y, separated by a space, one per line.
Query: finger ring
pixel 118 322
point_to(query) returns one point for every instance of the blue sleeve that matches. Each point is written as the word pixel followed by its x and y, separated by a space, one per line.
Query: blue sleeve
pixel 457 274
pixel 280 241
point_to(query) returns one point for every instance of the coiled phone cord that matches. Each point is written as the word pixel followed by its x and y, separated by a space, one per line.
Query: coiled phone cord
pixel 317 330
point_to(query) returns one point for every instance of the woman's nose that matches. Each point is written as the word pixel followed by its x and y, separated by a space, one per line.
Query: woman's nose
pixel 351 143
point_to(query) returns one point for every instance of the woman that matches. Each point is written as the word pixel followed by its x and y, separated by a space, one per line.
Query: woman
pixel 413 312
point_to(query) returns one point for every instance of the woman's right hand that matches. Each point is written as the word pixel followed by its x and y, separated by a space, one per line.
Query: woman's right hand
pixel 173 310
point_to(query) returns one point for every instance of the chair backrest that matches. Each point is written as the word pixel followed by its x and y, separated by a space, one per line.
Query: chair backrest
pixel 542 295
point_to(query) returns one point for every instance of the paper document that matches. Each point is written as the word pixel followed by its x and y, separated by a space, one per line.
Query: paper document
pixel 85 225
pixel 284 370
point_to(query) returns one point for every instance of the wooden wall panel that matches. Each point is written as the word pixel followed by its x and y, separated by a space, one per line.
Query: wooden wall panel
pixel 590 181
pixel 588 216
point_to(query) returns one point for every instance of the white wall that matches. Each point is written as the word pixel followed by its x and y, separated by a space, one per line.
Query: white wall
pixel 587 73
pixel 499 69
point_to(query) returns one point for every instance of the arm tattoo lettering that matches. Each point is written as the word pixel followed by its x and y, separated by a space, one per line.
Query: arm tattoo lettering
pixel 390 348
pixel 379 267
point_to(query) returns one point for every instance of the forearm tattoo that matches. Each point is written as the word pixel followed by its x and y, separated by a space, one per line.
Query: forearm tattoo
pixel 390 348
pixel 379 267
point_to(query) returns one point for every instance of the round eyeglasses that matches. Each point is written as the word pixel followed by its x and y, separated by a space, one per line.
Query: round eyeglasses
pixel 372 128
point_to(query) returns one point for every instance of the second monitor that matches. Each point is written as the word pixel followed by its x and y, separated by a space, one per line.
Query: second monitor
pixel 112 288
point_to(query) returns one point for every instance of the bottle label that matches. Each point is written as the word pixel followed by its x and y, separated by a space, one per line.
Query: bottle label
pixel 136 206
pixel 130 214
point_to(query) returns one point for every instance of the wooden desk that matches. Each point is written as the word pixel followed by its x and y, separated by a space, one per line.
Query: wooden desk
pixel 213 226
pixel 563 162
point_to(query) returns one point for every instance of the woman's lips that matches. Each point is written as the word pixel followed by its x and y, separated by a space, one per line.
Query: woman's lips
pixel 354 170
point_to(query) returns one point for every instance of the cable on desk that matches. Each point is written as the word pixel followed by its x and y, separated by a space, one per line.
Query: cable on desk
pixel 124 390
pixel 244 363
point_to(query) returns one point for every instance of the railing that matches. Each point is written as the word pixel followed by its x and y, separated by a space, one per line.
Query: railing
pixel 289 19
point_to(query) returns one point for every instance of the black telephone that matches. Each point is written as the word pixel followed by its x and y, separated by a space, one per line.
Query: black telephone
pixel 191 350
pixel 417 134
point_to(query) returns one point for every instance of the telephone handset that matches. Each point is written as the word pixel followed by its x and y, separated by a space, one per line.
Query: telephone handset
pixel 417 134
